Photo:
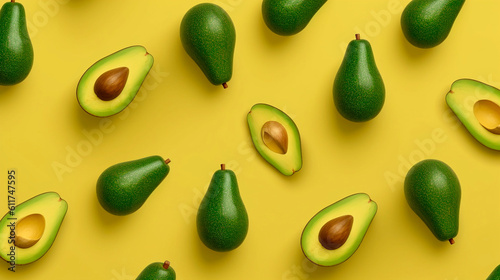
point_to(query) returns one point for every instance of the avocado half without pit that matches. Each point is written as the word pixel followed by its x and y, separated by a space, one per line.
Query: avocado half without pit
pixel 111 83
pixel 32 229
pixel 335 233
pixel 477 106
pixel 276 138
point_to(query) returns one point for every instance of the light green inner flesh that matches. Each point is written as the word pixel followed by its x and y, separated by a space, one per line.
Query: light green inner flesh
pixel 52 209
pixel 360 207
pixel 287 163
pixel 462 99
pixel 136 59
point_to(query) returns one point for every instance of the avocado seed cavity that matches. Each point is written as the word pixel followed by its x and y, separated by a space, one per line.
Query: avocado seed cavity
pixel 111 83
pixel 29 230
pixel 335 233
pixel 275 137
pixel 488 114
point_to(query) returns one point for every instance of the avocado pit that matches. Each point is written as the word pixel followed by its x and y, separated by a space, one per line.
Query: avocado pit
pixel 29 230
pixel 335 232
pixel 111 83
pixel 275 137
pixel 487 113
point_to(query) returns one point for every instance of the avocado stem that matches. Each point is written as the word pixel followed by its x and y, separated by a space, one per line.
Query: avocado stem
pixel 358 37
pixel 223 167
pixel 451 241
pixel 167 161
pixel 166 264
pixel 224 85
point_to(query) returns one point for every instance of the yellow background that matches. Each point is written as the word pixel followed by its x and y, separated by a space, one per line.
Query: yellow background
pixel 180 115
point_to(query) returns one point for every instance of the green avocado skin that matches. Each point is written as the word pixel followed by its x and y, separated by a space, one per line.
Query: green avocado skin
pixel 16 50
pixel 289 17
pixel 222 220
pixel 358 89
pixel 209 38
pixel 155 271
pixel 433 192
pixel 124 187
pixel 495 274
pixel 427 23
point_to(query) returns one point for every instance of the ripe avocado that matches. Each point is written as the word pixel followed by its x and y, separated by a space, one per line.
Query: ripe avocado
pixel 109 85
pixel 276 138
pixel 157 271
pixel 433 192
pixel 37 222
pixel 358 89
pixel 335 233
pixel 477 105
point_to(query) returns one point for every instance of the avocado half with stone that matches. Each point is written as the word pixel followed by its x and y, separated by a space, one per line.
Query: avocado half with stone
pixel 37 222
pixel 276 138
pixel 477 106
pixel 335 233
pixel 109 85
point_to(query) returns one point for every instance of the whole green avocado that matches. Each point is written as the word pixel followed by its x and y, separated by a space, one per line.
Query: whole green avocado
pixel 358 89
pixel 124 187
pixel 16 50
pixel 208 36
pixel 222 219
pixel 289 17
pixel 427 23
pixel 433 192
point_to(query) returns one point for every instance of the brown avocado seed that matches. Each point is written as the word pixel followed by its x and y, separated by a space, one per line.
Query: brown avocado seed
pixel 111 83
pixel 335 233
pixel 275 137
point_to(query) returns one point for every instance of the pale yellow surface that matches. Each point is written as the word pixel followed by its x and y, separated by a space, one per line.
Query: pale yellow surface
pixel 180 115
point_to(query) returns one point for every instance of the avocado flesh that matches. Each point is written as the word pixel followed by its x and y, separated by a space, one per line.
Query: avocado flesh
pixel 360 207
pixel 464 95
pixel 136 59
pixel 287 163
pixel 52 208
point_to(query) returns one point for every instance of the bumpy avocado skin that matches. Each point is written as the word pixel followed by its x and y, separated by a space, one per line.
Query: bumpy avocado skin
pixel 495 274
pixel 124 187
pixel 289 17
pixel 358 90
pixel 16 50
pixel 433 192
pixel 209 37
pixel 222 219
pixel 427 23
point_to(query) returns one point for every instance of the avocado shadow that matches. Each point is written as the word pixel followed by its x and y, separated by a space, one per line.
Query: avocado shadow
pixel 107 220
pixel 206 253
pixel 271 38
pixel 413 52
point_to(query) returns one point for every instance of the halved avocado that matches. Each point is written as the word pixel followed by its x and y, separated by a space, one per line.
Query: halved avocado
pixel 336 232
pixel 109 85
pixel 477 105
pixel 276 138
pixel 35 225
